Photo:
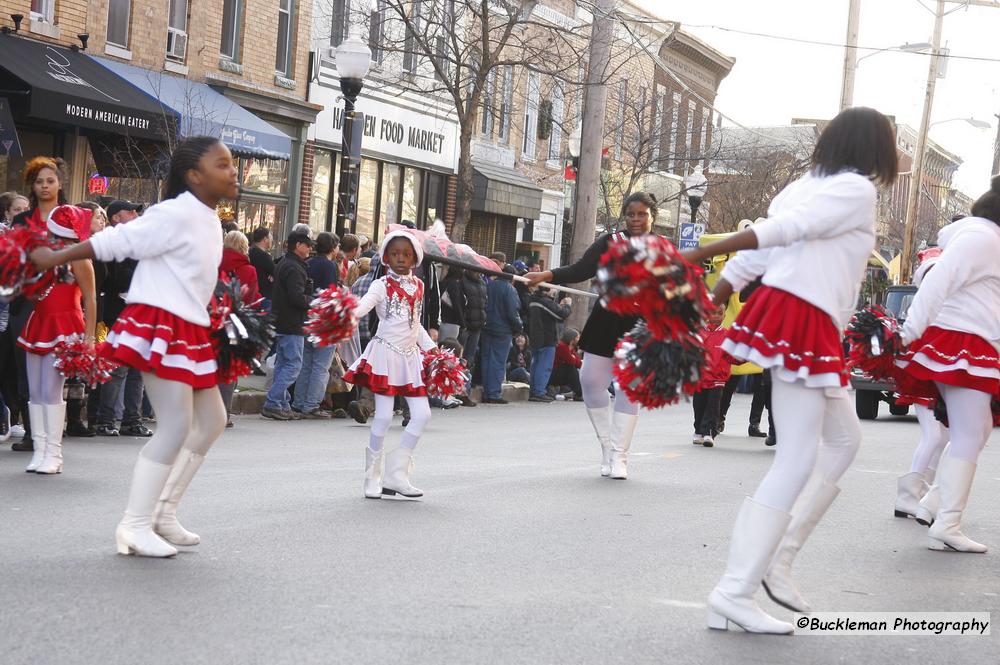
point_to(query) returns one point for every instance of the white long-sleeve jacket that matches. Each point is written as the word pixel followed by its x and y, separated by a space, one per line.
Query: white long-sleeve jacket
pixel 815 243
pixel 962 292
pixel 399 320
pixel 178 244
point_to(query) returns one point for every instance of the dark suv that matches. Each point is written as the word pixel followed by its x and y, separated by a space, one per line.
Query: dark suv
pixel 868 392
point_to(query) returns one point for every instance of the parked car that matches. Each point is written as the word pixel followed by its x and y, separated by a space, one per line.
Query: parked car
pixel 868 392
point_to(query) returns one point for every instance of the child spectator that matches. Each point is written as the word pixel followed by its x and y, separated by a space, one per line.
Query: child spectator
pixel 718 369
pixel 566 367
pixel 519 360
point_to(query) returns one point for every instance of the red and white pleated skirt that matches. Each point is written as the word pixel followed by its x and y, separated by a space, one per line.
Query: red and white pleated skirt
pixel 796 340
pixel 950 357
pixel 56 317
pixel 386 369
pixel 150 339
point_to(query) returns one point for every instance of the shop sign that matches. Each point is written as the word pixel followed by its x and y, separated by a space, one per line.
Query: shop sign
pixel 97 184
pixel 9 145
pixel 390 131
pixel 544 228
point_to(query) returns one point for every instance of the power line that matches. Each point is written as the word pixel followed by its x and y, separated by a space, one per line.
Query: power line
pixel 813 42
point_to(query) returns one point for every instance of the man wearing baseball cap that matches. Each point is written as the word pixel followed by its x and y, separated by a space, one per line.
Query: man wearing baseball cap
pixel 120 212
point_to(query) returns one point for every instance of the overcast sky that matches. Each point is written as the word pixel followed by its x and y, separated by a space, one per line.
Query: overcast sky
pixel 774 80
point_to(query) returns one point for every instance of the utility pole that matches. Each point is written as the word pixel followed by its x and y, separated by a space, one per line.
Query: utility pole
pixel 917 172
pixel 850 55
pixel 996 149
pixel 588 178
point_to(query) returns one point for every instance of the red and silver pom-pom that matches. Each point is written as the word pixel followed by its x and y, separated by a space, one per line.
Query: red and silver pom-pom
pixel 241 331
pixel 77 359
pixel 444 375
pixel 18 275
pixel 646 276
pixel 655 372
pixel 331 317
pixel 874 338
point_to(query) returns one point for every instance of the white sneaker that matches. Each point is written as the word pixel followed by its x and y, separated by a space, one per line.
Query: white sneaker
pixel 16 432
pixel 708 441
pixel 697 439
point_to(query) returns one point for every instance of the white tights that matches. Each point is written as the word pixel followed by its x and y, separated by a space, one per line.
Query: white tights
pixel 818 432
pixel 595 377
pixel 970 421
pixel 45 383
pixel 933 439
pixel 420 415
pixel 185 417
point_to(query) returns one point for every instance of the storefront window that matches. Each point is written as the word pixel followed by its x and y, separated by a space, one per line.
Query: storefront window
pixel 366 198
pixel 264 175
pixel 324 186
pixel 389 210
pixel 411 195
pixel 434 205
pixel 254 214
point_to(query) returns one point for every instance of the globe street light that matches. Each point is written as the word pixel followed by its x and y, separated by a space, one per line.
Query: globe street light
pixel 353 60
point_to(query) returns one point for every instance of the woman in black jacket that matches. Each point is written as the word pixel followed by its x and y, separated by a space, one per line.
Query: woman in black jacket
pixel 601 333
pixel 474 290
pixel 452 304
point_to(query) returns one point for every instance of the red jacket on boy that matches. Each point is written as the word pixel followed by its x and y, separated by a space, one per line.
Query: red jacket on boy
pixel 718 363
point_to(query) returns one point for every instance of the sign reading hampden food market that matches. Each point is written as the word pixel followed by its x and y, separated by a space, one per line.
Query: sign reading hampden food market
pixel 392 131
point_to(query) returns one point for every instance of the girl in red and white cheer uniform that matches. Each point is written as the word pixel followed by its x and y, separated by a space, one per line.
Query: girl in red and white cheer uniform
pixel 953 331
pixel 812 252
pixel 66 309
pixel 163 332
pixel 392 364
pixel 912 486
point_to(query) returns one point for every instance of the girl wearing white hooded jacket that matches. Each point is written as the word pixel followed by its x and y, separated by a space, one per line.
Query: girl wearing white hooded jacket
pixel 811 253
pixel 953 332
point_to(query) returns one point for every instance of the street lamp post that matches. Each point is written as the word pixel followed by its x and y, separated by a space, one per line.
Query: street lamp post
pixel 353 60
pixel 573 144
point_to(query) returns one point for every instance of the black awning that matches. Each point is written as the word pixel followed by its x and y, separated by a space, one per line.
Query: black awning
pixel 66 86
pixel 504 191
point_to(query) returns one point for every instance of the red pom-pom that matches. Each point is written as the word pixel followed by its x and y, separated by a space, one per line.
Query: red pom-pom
pixel 443 373
pixel 18 275
pixel 655 372
pixel 646 276
pixel 331 317
pixel 874 338
pixel 77 359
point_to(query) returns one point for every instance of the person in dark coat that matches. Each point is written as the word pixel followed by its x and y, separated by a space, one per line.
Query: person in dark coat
pixel 452 304
pixel 291 296
pixel 260 258
pixel 545 316
pixel 310 388
pixel 502 323
pixel 474 291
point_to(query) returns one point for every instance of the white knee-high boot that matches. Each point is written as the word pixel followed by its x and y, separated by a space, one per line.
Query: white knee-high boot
pixel 600 418
pixel 756 535
pixel 134 534
pixel 813 503
pixel 622 429
pixel 398 466
pixel 373 473
pixel 36 412
pixel 954 482
pixel 55 418
pixel 910 488
pixel 165 522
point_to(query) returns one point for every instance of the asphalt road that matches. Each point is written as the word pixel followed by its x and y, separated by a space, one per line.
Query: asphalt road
pixel 519 552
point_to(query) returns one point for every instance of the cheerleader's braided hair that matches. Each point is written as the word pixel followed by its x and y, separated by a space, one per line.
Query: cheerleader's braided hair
pixel 34 167
pixel 645 198
pixel 185 157
pixel 987 206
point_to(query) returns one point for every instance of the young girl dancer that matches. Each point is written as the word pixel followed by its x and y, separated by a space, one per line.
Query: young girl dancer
pixel 58 315
pixel 953 328
pixel 392 365
pixel 601 333
pixel 163 332
pixel 913 486
pixel 812 253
